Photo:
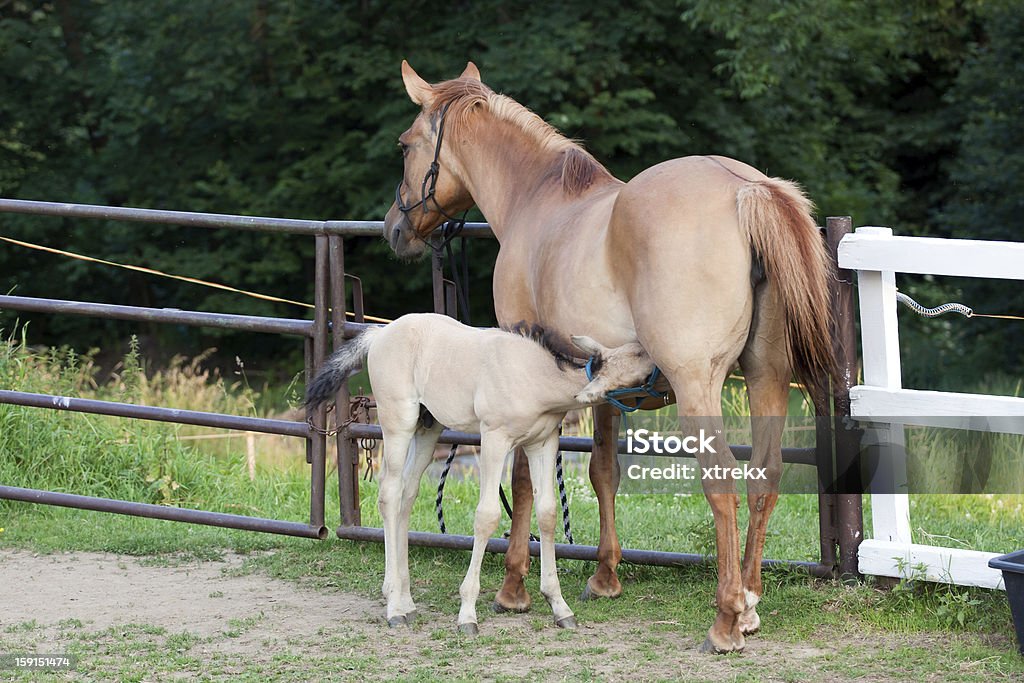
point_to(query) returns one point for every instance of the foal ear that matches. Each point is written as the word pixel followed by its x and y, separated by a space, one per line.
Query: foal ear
pixel 588 345
pixel 419 90
pixel 471 72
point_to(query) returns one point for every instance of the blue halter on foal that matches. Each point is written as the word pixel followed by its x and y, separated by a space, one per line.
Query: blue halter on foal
pixel 613 395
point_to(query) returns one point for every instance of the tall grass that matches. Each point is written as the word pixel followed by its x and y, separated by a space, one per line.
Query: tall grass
pixel 134 460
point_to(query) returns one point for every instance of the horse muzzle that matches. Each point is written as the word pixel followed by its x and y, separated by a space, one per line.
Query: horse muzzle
pixel 401 236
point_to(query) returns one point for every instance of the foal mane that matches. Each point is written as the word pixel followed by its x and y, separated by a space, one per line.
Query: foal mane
pixel 575 167
pixel 564 353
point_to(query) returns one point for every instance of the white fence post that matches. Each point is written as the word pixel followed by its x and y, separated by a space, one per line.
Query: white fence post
pixel 880 343
pixel 877 255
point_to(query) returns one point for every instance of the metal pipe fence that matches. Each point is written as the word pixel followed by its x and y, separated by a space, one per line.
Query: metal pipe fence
pixel 839 516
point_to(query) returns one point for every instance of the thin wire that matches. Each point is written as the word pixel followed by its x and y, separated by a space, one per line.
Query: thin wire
pixel 192 280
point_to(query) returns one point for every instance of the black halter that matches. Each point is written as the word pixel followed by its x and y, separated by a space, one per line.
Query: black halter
pixel 452 226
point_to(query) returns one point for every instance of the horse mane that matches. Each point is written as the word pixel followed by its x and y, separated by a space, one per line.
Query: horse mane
pixel 576 168
pixel 564 353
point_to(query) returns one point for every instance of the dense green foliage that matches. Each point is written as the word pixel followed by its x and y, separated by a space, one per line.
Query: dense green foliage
pixel 901 114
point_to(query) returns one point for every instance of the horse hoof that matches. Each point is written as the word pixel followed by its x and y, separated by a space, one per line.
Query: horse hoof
pixel 709 647
pixel 501 609
pixel 590 594
pixel 469 629
pixel 568 622
pixel 749 631
pixel 750 624
pixel 395 622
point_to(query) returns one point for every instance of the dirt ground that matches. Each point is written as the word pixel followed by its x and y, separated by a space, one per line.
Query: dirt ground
pixel 207 613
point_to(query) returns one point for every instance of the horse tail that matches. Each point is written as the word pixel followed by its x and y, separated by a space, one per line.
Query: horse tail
pixel 339 367
pixel 777 216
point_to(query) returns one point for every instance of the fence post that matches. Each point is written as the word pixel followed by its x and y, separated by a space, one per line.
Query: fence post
pixel 890 511
pixel 437 276
pixel 348 464
pixel 828 532
pixel 318 442
pixel 849 511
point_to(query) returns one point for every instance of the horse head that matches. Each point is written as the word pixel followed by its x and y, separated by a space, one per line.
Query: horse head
pixel 431 191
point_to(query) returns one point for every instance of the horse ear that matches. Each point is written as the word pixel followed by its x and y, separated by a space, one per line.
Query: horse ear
pixel 471 72
pixel 419 90
pixel 588 345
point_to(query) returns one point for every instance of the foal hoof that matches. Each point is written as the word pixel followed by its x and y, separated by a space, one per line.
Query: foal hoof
pixel 469 629
pixel 568 622
pixel 395 622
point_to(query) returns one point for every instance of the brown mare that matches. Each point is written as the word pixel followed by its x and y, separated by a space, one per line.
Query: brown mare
pixel 707 262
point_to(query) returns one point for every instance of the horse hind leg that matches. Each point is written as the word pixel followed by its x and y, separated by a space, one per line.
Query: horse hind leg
pixel 700 416
pixel 513 596
pixel 767 371
pixel 604 477
pixel 389 502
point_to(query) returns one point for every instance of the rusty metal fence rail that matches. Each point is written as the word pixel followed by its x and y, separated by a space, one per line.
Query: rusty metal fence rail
pixel 839 517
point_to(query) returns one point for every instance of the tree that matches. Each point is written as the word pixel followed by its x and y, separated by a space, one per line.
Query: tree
pixel 293 109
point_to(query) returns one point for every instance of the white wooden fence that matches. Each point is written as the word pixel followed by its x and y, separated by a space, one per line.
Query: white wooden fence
pixel 877 256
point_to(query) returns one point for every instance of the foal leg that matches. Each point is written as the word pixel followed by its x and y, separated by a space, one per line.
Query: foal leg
pixel 421 451
pixel 604 477
pixel 512 597
pixel 389 502
pixel 494 448
pixel 542 467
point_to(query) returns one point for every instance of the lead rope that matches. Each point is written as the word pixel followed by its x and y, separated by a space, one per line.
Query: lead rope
pixel 561 494
pixel 440 488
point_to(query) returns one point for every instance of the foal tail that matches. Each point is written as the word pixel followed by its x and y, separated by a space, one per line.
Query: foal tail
pixel 777 216
pixel 338 367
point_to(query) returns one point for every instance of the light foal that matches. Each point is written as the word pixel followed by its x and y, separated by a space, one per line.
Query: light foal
pixel 513 390
pixel 707 262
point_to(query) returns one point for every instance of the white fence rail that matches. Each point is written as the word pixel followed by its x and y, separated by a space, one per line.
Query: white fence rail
pixel 877 256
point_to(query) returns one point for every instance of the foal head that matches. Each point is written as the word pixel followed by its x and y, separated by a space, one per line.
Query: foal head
pixel 431 190
pixel 624 366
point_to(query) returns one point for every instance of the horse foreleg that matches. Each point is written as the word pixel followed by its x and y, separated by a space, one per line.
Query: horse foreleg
pixel 604 477
pixel 513 597
pixel 493 449
pixel 542 467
